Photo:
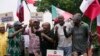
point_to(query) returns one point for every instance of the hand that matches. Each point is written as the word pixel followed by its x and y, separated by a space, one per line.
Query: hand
pixel 42 34
pixel 64 27
pixel 41 30
pixel 34 30
pixel 90 33
pixel 56 28
pixel 24 27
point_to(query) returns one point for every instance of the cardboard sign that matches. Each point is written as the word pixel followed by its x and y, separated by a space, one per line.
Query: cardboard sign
pixel 55 53
pixel 37 15
pixel 6 17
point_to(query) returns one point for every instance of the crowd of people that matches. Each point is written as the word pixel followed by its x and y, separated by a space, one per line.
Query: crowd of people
pixel 70 36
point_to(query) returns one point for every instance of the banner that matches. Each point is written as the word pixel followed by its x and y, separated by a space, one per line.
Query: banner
pixel 55 53
pixel 6 17
pixel 37 15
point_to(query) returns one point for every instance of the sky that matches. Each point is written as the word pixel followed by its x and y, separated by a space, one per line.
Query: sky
pixel 11 6
pixel 6 6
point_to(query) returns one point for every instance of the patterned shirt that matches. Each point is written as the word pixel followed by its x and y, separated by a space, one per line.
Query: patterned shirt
pixel 34 42
pixel 14 48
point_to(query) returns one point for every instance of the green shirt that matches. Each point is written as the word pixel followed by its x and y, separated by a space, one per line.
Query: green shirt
pixel 80 37
pixel 14 44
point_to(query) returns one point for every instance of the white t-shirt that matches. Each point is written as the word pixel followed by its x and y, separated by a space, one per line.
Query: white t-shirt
pixel 26 40
pixel 64 41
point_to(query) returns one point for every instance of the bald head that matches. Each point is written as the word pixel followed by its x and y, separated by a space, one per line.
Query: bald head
pixel 60 17
pixel 46 26
pixel 77 18
pixel 61 20
pixel 46 23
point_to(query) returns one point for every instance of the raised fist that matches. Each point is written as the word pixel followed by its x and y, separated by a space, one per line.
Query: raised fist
pixel 56 28
pixel 64 27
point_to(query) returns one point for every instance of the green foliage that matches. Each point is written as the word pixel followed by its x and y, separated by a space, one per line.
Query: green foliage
pixel 43 5
pixel 67 5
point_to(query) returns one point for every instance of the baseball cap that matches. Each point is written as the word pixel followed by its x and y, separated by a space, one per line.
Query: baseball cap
pixel 17 23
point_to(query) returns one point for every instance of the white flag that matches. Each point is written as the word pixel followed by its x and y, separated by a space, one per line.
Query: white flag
pixel 85 4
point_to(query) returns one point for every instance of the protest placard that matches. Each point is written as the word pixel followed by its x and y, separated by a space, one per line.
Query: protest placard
pixel 37 15
pixel 55 53
pixel 6 17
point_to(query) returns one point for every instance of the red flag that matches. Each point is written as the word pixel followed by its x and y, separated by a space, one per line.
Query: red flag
pixel 93 10
pixel 98 31
pixel 20 11
pixel 31 1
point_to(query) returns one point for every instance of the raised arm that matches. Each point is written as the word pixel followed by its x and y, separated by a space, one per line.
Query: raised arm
pixel 47 37
pixel 67 34
pixel 12 34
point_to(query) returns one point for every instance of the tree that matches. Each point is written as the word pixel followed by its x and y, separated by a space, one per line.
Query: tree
pixel 67 5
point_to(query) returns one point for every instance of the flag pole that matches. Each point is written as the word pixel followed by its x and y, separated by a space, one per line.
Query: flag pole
pixel 90 40
pixel 90 31
pixel 28 7
pixel 90 26
pixel 82 14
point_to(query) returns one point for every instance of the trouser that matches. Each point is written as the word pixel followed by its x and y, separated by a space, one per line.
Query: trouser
pixel 79 54
pixel 23 53
pixel 26 52
pixel 67 50
pixel 31 54
pixel 43 52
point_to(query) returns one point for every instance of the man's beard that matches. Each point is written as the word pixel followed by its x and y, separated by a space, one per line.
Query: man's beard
pixel 46 30
pixel 62 23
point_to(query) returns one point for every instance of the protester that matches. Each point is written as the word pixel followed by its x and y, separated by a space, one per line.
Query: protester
pixel 26 44
pixel 3 40
pixel 79 36
pixel 47 38
pixel 15 47
pixel 64 42
pixel 34 43
pixel 36 27
pixel 30 48
pixel 25 36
